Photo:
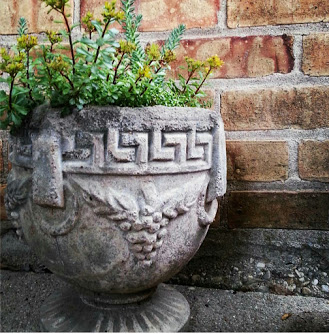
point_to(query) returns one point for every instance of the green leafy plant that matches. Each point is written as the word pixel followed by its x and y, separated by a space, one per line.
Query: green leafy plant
pixel 97 69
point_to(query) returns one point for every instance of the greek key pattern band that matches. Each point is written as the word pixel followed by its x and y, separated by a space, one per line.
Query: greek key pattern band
pixel 136 153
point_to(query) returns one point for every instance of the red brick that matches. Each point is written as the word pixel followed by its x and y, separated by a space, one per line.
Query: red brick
pixel 35 13
pixel 315 56
pixel 294 210
pixel 246 13
pixel 313 160
pixel 251 56
pixel 3 214
pixel 297 108
pixel 257 160
pixel 160 15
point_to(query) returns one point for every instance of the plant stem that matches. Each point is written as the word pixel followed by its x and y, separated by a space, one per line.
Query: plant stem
pixel 204 79
pixel 146 88
pixel 70 38
pixel 187 81
pixel 28 74
pixel 88 46
pixel 48 71
pixel 139 77
pixel 103 34
pixel 117 68
pixel 68 79
pixel 10 104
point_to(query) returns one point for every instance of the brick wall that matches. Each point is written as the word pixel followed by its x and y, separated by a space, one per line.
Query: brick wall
pixel 273 93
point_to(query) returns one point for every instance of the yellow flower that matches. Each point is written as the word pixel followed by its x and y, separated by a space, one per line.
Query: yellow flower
pixel 153 51
pixel 193 64
pixel 87 22
pixel 145 72
pixel 53 37
pixel 215 62
pixel 59 65
pixel 4 54
pixel 56 4
pixel 110 13
pixel 169 56
pixel 126 47
pixel 26 42
pixel 12 64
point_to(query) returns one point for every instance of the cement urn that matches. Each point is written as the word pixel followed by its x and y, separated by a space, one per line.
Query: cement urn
pixel 115 201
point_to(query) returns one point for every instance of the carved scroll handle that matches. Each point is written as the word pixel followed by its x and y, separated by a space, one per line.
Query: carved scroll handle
pixel 206 211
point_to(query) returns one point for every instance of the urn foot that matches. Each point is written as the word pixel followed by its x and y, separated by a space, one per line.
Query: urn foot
pixel 165 311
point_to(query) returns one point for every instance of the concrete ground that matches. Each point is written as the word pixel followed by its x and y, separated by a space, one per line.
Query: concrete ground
pixel 212 310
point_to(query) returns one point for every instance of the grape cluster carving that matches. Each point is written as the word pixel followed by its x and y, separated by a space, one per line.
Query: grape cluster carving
pixel 144 226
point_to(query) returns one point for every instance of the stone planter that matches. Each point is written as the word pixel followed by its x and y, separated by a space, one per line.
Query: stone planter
pixel 116 201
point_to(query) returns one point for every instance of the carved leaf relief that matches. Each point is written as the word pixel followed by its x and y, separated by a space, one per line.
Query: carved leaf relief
pixel 143 219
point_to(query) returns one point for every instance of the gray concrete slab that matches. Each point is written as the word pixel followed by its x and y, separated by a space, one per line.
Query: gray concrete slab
pixel 212 310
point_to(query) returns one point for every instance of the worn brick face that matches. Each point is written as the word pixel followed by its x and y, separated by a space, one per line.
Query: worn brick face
pixel 245 13
pixel 160 15
pixel 167 14
pixel 3 214
pixel 35 13
pixel 315 54
pixel 251 56
pixel 257 160
pixel 298 108
pixel 313 160
pixel 296 210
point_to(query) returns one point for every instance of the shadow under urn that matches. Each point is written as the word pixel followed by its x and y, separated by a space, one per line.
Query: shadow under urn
pixel 115 201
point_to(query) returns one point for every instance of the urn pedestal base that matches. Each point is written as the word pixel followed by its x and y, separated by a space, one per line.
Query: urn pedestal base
pixel 166 310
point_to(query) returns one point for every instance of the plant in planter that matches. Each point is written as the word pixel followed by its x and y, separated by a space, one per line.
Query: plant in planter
pixel 113 183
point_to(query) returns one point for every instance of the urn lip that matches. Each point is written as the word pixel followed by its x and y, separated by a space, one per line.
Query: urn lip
pixel 100 118
pixel 124 140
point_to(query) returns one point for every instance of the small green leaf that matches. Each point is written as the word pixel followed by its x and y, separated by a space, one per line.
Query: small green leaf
pixel 20 109
pixel 16 119
pixel 98 27
pixel 83 52
pixel 5 80
pixel 64 33
pixel 89 42
pixel 100 42
pixel 75 25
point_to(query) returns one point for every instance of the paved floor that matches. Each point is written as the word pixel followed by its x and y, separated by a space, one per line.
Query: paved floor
pixel 212 310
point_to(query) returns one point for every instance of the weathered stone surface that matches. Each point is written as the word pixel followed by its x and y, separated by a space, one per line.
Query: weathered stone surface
pixel 251 56
pixel 245 13
pixel 278 261
pixel 133 212
pixel 295 210
pixel 315 55
pixel 313 160
pixel 257 160
pixel 5 165
pixel 137 317
pixel 16 255
pixel 297 108
pixel 35 13
pixel 159 15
